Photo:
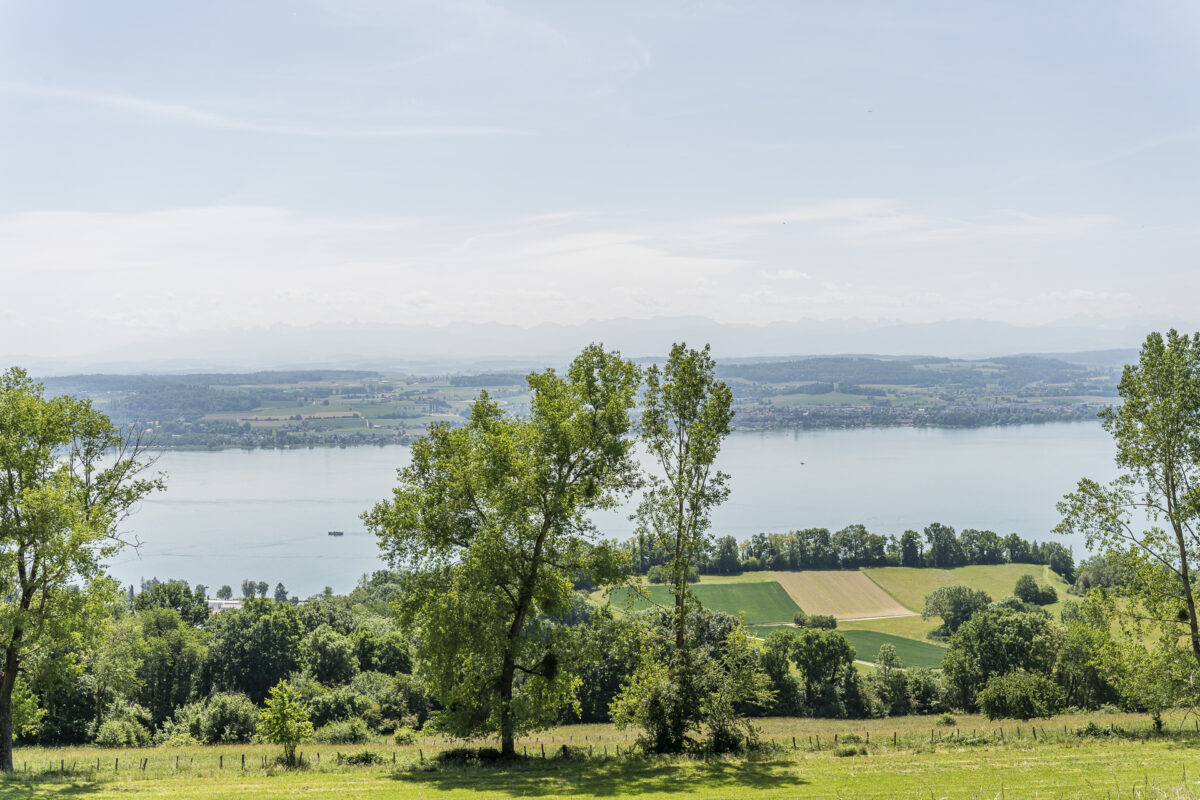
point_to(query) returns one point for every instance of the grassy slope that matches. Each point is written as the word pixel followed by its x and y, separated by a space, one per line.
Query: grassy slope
pixel 866 645
pixel 909 585
pixel 760 601
pixel 1056 765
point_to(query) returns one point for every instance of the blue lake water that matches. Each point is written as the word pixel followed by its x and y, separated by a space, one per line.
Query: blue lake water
pixel 264 514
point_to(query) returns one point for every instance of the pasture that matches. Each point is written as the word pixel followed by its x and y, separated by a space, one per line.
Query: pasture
pixel 902 757
pixel 845 594
pixel 909 585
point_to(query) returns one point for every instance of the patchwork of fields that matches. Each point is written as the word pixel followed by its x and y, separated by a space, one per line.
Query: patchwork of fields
pixel 873 606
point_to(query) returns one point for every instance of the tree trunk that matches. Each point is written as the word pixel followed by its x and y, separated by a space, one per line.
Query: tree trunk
pixel 508 746
pixel 7 680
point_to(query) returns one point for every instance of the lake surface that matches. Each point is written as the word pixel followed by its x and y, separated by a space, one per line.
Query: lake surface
pixel 264 514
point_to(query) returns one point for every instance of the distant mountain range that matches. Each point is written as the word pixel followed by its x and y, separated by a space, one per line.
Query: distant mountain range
pixel 488 346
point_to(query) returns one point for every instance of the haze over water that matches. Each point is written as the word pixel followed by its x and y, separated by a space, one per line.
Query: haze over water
pixel 265 514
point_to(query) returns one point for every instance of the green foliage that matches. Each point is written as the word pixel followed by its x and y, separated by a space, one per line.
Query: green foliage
pixel 1027 590
pixel 824 621
pixel 70 479
pixel 345 731
pixel 253 648
pixel 175 595
pixel 125 725
pixel 227 718
pixel 955 605
pixel 996 642
pixel 405 735
pixel 284 721
pixel 1145 523
pixel 1020 695
pixel 171 654
pixel 686 415
pixel 492 519
pixel 330 656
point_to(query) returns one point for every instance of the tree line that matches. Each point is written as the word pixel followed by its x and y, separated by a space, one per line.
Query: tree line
pixel 854 546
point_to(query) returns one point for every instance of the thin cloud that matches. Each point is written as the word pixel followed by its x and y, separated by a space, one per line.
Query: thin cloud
pixel 198 117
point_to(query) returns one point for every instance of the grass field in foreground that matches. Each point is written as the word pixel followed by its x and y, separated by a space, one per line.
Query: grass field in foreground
pixel 909 585
pixel 761 601
pixel 1056 764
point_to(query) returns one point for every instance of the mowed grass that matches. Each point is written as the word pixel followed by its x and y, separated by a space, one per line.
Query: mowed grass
pixel 759 601
pixel 977 763
pixel 909 585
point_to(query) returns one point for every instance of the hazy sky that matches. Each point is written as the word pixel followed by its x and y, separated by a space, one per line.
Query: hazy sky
pixel 173 167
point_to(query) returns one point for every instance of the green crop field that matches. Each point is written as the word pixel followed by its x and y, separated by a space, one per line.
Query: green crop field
pixel 911 652
pixel 904 757
pixel 760 601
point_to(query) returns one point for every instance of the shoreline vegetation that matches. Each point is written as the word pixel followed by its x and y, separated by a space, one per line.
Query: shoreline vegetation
pixel 341 408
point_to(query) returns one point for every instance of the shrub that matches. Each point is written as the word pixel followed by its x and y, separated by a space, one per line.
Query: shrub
pixel 656 574
pixel 822 621
pixel 345 731
pixel 405 735
pixel 948 720
pixel 469 755
pixel 363 758
pixel 847 750
pixel 342 703
pixel 1028 590
pixel 122 733
pixel 125 725
pixel 1020 695
pixel 228 717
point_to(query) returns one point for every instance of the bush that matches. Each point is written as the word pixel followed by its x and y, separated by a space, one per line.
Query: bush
pixel 948 720
pixel 469 755
pixel 125 725
pixel 284 721
pixel 122 733
pixel 847 750
pixel 405 735
pixel 1020 695
pixel 821 621
pixel 228 717
pixel 1028 590
pixel 363 758
pixel 340 704
pixel 346 731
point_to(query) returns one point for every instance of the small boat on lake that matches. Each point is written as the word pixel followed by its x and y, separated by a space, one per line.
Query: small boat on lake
pixel 336 533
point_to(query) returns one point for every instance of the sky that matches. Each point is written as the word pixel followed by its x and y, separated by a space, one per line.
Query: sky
pixel 173 168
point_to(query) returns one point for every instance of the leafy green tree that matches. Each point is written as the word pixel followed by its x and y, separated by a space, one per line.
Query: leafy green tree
pixel 281 594
pixel 67 480
pixel 249 588
pixel 172 656
pixel 174 594
pixel 955 605
pixel 1027 590
pixel 252 648
pixel 261 587
pixel 686 415
pixel 725 561
pixel 1147 521
pixel 821 657
pixel 225 592
pixel 891 682
pixel 284 721
pixel 997 641
pixel 1020 695
pixel 330 656
pixel 944 548
pixel 492 519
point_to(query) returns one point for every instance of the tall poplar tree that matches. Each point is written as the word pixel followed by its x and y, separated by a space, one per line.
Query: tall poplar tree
pixel 1148 522
pixel 491 520
pixel 686 415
